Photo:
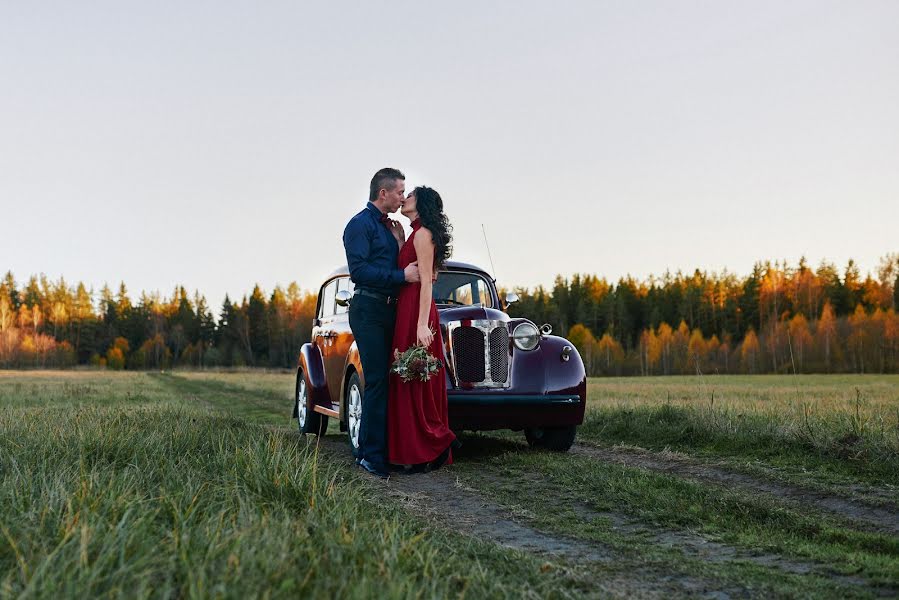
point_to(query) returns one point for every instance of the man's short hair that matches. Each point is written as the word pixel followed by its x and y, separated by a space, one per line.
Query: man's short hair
pixel 384 179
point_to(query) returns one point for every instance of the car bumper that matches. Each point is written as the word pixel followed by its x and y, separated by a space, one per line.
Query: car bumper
pixel 474 412
pixel 513 399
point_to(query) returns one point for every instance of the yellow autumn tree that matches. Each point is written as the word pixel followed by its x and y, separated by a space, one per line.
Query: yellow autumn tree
pixel 680 342
pixel 800 339
pixel 115 359
pixel 665 336
pixel 9 347
pixel 583 340
pixel 891 339
pixel 59 316
pixel 826 337
pixel 696 351
pixel 749 352
pixel 27 351
pixel 650 351
pixel 610 354
pixel 153 353
pixel 37 316
pixel 7 314
pixel 123 345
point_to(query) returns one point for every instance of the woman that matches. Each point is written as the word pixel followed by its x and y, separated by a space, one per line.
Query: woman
pixel 418 430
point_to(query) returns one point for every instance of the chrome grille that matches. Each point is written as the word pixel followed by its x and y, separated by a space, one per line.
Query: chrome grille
pixel 499 354
pixel 479 353
pixel 468 354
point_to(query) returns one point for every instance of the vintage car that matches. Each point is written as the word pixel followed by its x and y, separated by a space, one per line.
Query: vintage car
pixel 501 372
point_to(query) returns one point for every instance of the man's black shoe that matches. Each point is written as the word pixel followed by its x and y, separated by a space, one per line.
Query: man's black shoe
pixel 377 472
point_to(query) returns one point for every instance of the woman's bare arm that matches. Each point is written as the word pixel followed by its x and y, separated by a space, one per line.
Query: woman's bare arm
pixel 424 250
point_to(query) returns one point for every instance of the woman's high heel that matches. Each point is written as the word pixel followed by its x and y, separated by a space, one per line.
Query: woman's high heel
pixel 440 460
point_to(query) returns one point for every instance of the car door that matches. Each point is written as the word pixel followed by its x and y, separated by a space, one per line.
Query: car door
pixel 340 342
pixel 323 333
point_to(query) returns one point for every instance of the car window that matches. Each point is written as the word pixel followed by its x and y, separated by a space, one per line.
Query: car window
pixel 327 306
pixel 454 288
pixel 344 284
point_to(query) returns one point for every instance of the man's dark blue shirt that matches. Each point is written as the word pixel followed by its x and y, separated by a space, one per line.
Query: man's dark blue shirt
pixel 372 252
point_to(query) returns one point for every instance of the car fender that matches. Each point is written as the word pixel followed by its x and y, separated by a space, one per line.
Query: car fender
pixel 563 376
pixel 353 363
pixel 314 366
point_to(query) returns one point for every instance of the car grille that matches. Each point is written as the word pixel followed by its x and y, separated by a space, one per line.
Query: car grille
pixel 468 353
pixel 499 354
pixel 479 351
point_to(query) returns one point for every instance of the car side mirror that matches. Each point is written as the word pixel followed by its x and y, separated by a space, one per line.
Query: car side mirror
pixel 511 298
pixel 343 298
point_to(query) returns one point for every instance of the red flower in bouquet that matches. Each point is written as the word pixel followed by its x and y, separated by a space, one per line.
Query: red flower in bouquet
pixel 415 364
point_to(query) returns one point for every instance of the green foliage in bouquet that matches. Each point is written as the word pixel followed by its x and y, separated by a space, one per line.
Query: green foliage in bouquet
pixel 415 364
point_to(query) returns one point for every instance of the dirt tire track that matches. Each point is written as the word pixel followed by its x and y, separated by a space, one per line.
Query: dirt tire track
pixel 873 518
pixel 695 545
pixel 467 511
pixel 698 546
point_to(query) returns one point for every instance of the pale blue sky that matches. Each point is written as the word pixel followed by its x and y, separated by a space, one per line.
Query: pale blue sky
pixel 218 144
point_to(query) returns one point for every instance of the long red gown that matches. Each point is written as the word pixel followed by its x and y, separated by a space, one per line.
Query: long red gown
pixel 417 419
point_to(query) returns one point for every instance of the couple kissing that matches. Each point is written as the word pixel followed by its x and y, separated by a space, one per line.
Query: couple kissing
pixel 404 423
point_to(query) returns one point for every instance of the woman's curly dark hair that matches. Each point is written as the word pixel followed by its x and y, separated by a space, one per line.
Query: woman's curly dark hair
pixel 429 205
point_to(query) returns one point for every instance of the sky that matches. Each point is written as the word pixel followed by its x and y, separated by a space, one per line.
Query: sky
pixel 222 144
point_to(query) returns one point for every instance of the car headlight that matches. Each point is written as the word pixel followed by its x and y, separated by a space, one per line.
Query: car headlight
pixel 525 336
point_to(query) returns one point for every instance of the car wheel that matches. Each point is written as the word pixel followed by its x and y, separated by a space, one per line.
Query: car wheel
pixel 353 411
pixel 557 439
pixel 308 420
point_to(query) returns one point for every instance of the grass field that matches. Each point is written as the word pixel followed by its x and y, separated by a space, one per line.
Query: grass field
pixel 836 429
pixel 197 485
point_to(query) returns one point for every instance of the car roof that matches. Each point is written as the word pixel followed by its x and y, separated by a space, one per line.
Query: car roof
pixel 451 265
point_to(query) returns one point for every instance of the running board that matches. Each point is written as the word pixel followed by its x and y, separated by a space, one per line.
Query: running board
pixel 326 411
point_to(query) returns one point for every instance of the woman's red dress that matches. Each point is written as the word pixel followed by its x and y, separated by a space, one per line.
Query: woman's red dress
pixel 417 419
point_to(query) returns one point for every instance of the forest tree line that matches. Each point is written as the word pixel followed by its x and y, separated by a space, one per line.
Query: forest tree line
pixel 778 319
pixel 52 324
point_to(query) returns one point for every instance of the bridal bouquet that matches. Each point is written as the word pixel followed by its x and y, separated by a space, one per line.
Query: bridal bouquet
pixel 415 364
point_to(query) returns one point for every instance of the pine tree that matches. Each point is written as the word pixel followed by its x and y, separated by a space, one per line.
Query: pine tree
pixel 276 319
pixel 258 330
pixel 9 289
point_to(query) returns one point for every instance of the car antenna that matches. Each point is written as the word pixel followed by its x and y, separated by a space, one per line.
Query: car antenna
pixel 490 256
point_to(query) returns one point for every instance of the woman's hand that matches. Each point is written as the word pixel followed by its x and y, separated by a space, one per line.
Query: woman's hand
pixel 425 336
pixel 396 229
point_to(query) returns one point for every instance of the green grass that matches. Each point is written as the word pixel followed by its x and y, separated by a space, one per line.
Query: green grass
pixel 825 429
pixel 196 485
pixel 158 494
pixel 562 491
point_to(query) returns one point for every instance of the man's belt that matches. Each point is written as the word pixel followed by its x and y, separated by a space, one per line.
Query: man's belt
pixel 382 297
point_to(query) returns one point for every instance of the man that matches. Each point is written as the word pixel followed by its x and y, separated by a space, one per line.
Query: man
pixel 371 240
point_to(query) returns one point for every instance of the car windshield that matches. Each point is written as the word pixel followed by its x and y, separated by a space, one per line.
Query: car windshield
pixel 456 288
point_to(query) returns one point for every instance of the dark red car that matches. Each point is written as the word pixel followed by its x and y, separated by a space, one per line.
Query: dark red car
pixel 501 372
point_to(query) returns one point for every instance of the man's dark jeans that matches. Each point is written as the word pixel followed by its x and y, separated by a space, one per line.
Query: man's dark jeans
pixel 372 323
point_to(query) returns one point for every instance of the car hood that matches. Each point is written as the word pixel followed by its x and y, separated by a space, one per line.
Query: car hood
pixel 473 313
